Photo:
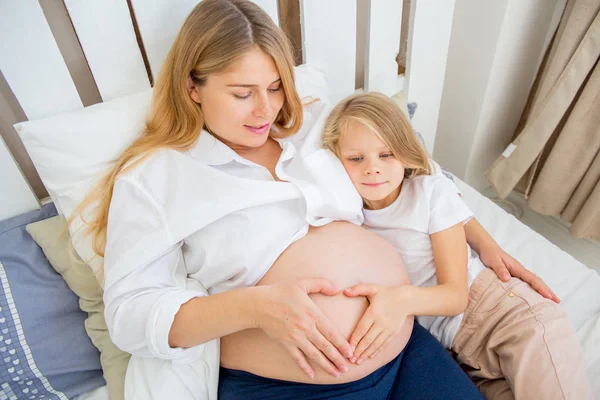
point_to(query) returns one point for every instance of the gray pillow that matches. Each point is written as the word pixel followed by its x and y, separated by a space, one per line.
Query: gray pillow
pixel 44 349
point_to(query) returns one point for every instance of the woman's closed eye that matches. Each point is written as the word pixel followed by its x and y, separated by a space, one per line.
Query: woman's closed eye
pixel 242 96
pixel 249 94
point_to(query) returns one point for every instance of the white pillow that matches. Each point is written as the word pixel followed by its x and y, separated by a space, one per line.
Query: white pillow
pixel 72 151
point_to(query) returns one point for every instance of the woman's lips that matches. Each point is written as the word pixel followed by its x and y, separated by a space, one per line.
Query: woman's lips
pixel 259 130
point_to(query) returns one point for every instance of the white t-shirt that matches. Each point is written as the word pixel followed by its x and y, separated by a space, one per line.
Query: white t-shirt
pixel 185 224
pixel 426 205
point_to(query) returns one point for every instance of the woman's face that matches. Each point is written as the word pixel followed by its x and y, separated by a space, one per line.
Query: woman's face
pixel 371 165
pixel 241 103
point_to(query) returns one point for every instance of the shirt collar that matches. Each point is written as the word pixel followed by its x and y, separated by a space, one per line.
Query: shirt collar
pixel 212 151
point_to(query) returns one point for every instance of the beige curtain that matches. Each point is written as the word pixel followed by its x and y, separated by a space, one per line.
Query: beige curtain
pixel 555 156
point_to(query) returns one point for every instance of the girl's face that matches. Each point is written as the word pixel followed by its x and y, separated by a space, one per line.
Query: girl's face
pixel 375 172
pixel 241 103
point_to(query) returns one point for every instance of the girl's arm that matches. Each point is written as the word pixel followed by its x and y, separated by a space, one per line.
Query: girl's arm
pixel 491 254
pixel 389 306
pixel 450 296
pixel 503 264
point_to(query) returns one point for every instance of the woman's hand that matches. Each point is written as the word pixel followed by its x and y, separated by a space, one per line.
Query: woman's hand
pixel 505 266
pixel 288 315
pixel 382 321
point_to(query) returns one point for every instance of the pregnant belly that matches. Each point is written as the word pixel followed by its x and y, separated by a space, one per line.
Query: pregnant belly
pixel 344 254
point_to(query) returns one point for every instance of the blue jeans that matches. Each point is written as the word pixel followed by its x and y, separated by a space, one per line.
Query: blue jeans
pixel 423 370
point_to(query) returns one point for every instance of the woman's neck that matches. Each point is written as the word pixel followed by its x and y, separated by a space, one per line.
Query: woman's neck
pixel 270 149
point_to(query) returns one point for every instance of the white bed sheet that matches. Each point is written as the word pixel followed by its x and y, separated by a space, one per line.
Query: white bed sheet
pixel 577 286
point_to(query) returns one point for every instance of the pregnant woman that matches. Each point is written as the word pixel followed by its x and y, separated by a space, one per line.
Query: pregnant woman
pixel 225 219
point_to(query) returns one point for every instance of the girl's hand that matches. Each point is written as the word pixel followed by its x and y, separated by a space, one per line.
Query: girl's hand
pixel 505 266
pixel 381 322
pixel 287 314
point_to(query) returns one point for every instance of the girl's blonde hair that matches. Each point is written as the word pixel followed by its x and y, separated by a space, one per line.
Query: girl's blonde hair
pixel 214 35
pixel 384 118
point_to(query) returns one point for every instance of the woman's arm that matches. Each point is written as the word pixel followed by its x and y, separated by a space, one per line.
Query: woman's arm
pixel 154 310
pixel 149 314
pixel 283 311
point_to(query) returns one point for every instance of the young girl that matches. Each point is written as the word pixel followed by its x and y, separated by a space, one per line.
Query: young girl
pixel 511 340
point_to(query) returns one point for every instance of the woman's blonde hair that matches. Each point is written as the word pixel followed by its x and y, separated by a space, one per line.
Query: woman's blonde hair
pixel 214 35
pixel 384 118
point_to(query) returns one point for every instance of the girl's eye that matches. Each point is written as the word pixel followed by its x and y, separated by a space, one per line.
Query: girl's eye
pixel 387 155
pixel 237 96
pixel 355 159
pixel 277 89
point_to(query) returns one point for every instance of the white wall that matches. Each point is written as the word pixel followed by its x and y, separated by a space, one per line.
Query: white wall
pixel 428 45
pixel 494 53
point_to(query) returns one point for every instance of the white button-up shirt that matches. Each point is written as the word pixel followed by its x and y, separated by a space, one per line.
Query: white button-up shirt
pixel 185 224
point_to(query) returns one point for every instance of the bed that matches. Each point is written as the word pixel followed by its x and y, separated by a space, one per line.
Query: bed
pixel 52 307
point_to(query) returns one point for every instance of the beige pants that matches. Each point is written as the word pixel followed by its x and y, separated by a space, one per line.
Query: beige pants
pixel 516 344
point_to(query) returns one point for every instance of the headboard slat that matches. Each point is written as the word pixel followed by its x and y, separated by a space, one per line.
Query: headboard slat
pixel 108 40
pixel 32 63
pixel 329 33
pixel 384 21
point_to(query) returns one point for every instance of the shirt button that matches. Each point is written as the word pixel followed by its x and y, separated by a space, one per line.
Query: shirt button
pixel 511 294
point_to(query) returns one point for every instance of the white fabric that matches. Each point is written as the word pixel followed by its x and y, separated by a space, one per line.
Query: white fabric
pixel 426 205
pixel 182 225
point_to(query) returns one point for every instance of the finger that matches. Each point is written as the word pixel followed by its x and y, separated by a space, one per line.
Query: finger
pixel 313 354
pixel 341 348
pixel 385 343
pixel 500 268
pixel 298 356
pixel 543 289
pixel 368 353
pixel 519 271
pixel 537 283
pixel 361 330
pixel 319 285
pixel 366 342
pixel 361 289
pixel 328 350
